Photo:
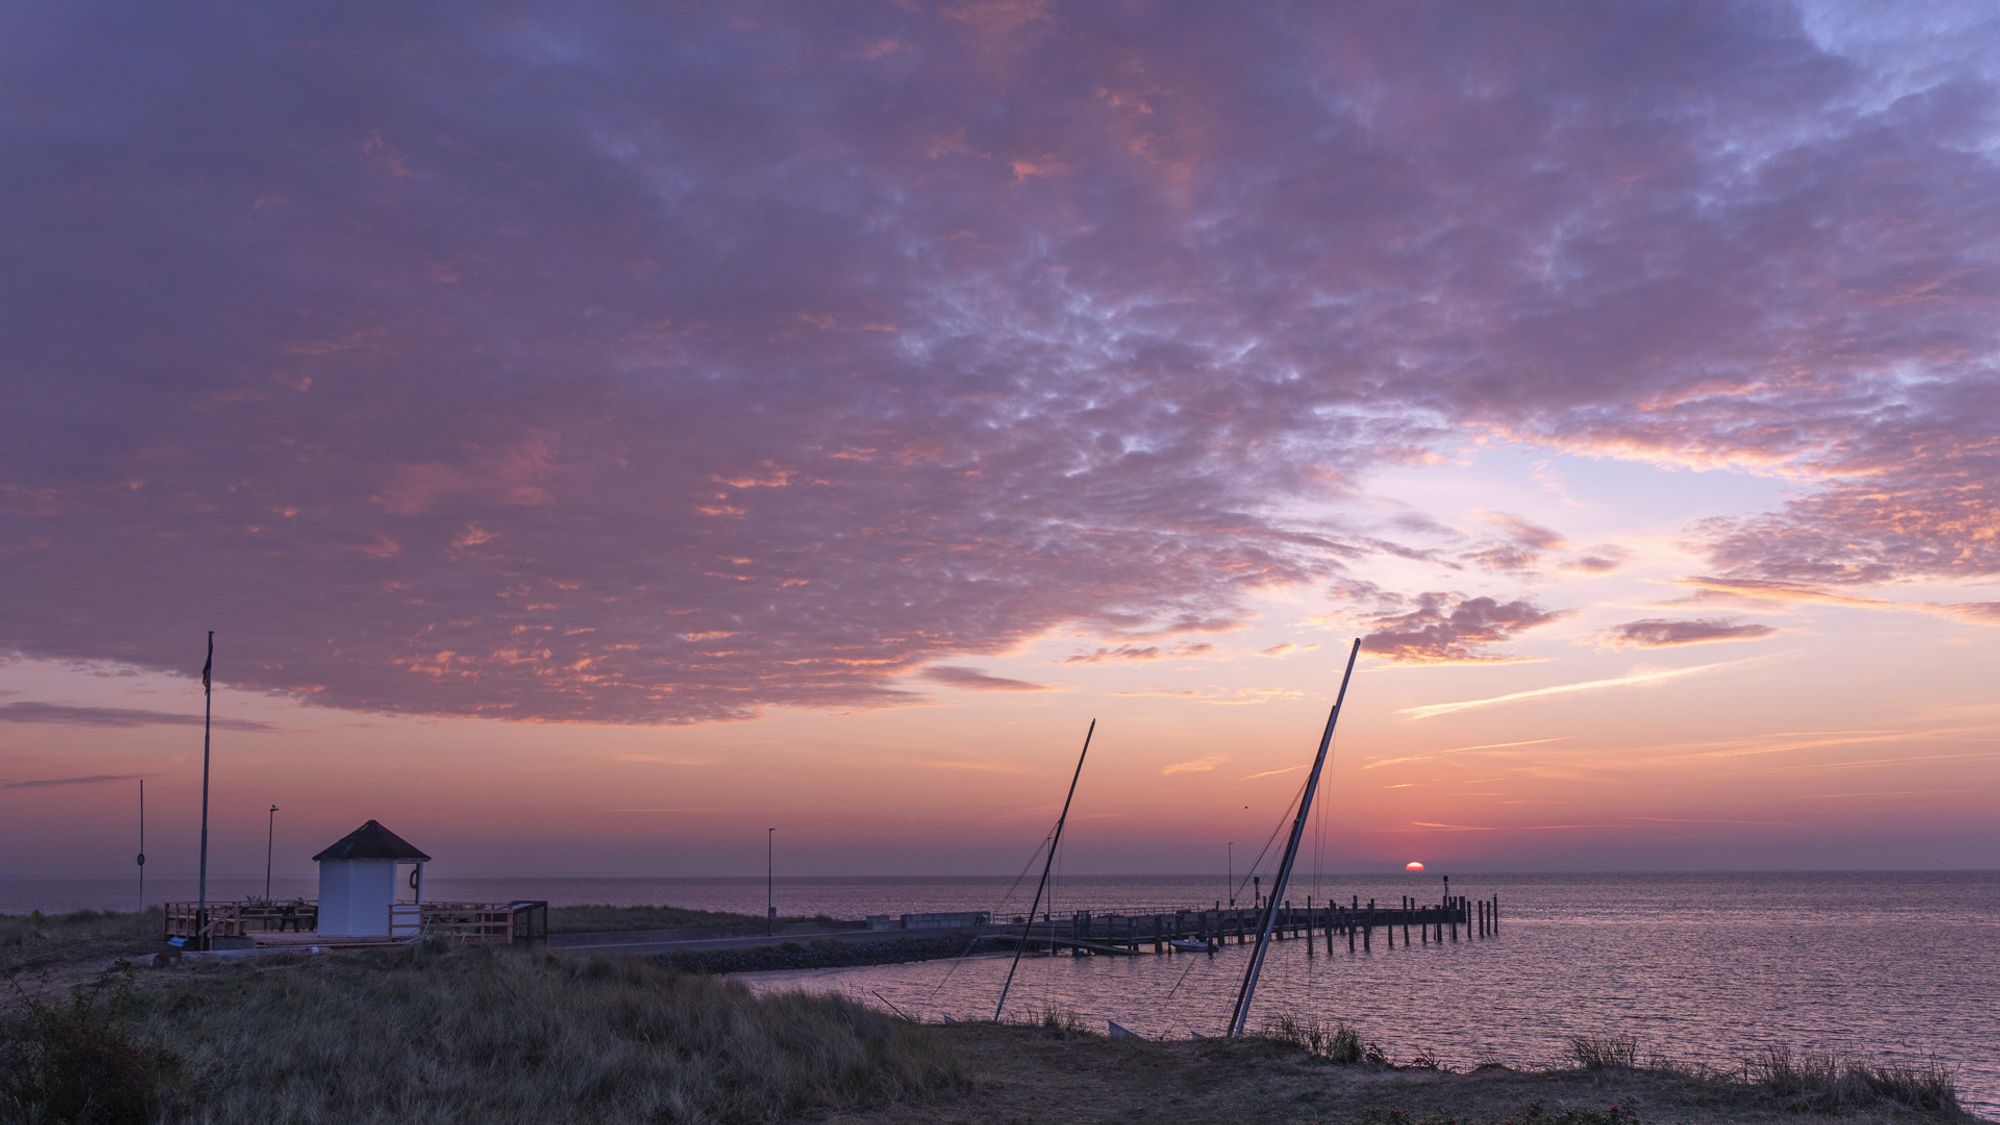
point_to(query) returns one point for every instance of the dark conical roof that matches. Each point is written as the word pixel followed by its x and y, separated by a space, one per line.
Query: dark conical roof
pixel 371 841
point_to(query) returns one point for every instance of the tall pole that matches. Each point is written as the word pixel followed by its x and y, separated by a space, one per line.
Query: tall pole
pixel 1270 917
pixel 207 709
pixel 142 845
pixel 1055 841
pixel 770 881
pixel 270 834
pixel 1231 887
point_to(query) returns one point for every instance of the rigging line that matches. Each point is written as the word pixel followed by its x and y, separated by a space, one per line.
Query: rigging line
pixel 1039 887
pixel 1049 977
pixel 1319 842
pixel 1272 839
pixel 999 909
pixel 1247 993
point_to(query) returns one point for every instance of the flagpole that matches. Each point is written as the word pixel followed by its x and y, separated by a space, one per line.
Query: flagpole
pixel 207 708
pixel 142 845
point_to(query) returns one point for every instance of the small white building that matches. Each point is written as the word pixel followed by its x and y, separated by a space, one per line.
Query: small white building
pixel 360 880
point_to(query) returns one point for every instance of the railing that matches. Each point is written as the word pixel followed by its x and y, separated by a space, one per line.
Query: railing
pixel 406 920
pixel 239 919
pixel 470 922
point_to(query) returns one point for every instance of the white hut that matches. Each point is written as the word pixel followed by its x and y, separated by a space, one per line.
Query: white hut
pixel 359 878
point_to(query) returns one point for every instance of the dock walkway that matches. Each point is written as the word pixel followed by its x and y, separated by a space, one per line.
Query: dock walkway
pixel 1087 932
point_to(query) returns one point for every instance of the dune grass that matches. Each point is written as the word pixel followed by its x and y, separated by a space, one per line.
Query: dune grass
pixel 1334 1042
pixel 467 1035
pixel 28 941
pixel 1804 1081
pixel 605 919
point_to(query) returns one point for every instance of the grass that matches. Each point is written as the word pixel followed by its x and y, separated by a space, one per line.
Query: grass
pixel 29 941
pixel 1604 1052
pixel 1820 1082
pixel 1825 1081
pixel 605 919
pixel 1335 1042
pixel 1059 1021
pixel 483 1035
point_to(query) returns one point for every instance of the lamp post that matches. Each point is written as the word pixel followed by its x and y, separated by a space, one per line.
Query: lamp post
pixel 770 881
pixel 270 835
pixel 1232 873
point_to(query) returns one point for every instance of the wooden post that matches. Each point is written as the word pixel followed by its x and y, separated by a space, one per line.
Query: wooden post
pixel 1496 913
pixel 1350 933
pixel 1309 925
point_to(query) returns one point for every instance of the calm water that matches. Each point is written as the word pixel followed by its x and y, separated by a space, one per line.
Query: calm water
pixel 1707 967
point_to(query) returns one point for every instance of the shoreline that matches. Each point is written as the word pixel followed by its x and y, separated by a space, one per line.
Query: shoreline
pixel 626 1039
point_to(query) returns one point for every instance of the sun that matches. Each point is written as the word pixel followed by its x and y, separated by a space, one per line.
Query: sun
pixel 1414 865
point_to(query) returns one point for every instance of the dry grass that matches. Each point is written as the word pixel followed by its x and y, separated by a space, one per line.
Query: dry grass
pixel 28 941
pixel 1604 1052
pixel 1799 1081
pixel 1828 1082
pixel 1335 1042
pixel 480 1035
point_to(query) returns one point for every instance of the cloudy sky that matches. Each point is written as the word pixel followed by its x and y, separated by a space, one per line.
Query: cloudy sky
pixel 598 436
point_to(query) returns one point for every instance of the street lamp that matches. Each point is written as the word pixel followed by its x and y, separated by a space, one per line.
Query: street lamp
pixel 270 834
pixel 770 876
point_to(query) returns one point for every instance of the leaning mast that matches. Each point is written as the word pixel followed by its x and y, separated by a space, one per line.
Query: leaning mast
pixel 1269 920
pixel 1054 842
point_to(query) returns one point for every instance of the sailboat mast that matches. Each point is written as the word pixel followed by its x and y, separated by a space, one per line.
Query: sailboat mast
pixel 1265 925
pixel 1047 863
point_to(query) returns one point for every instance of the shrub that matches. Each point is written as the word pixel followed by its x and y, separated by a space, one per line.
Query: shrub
pixel 83 1061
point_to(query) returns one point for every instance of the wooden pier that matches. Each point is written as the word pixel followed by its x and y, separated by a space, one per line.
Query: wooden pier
pixel 1356 923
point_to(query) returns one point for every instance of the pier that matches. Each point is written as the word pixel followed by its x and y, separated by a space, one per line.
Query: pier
pixel 1358 924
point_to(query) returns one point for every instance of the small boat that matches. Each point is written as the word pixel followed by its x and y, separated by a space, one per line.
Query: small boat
pixel 1192 945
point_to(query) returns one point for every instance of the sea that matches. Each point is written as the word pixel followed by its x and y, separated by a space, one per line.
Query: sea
pixel 1708 968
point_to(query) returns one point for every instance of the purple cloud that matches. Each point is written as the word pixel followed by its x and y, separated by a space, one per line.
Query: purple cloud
pixel 972 679
pixel 1450 628
pixel 713 360
pixel 61 714
pixel 1656 633
pixel 60 782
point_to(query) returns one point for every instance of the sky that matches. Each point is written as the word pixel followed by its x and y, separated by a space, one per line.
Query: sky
pixel 598 435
